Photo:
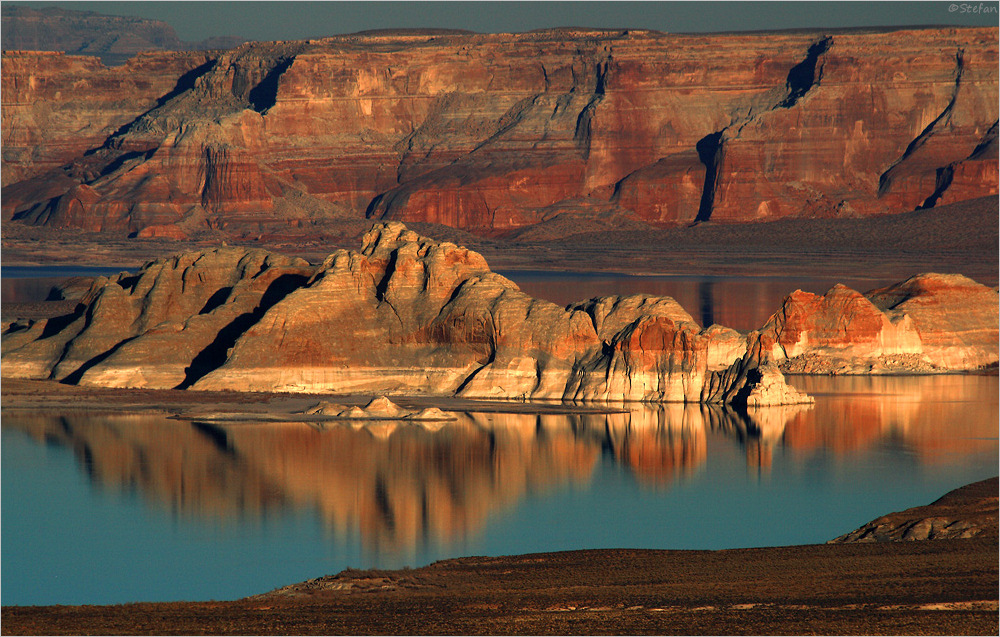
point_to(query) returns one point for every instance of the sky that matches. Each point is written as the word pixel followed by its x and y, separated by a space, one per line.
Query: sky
pixel 292 19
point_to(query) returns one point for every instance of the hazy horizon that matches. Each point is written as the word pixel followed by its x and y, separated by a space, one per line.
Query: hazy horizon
pixel 292 20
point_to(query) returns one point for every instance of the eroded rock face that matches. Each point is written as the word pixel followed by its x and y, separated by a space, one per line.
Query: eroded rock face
pixel 160 328
pixel 497 132
pixel 410 315
pixel 405 315
pixel 930 322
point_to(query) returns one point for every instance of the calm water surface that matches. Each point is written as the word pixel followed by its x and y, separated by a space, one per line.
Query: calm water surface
pixel 26 284
pixel 119 507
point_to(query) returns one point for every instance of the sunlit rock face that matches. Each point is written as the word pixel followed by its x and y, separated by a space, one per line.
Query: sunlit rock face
pixel 157 328
pixel 56 107
pixel 496 132
pixel 930 322
pixel 405 315
pixel 410 315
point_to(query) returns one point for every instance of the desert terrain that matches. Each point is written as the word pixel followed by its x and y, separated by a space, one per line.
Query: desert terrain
pixel 868 154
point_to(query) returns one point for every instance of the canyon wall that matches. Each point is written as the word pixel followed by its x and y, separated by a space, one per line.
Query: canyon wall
pixel 496 132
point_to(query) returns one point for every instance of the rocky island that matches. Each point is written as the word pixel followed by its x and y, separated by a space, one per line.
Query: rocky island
pixel 410 315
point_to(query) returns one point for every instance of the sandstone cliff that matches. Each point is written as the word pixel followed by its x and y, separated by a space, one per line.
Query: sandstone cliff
pixel 410 315
pixel 928 323
pixel 405 315
pixel 497 132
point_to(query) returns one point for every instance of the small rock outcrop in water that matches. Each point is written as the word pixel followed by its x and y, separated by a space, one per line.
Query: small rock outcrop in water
pixel 380 408
pixel 928 323
pixel 966 512
pixel 410 315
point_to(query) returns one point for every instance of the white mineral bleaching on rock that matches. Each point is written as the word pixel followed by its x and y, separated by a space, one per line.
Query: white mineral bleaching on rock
pixel 408 315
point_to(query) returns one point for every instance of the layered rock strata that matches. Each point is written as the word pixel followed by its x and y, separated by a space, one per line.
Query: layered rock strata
pixel 405 315
pixel 496 132
pixel 410 315
pixel 928 323
pixel 158 328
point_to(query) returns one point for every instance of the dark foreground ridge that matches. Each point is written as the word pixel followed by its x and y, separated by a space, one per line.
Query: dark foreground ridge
pixel 923 587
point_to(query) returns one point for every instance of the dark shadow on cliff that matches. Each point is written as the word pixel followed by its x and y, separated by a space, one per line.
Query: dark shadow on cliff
pixel 184 84
pixel 214 355
pixel 265 95
pixel 709 150
pixel 803 76
pixel 75 377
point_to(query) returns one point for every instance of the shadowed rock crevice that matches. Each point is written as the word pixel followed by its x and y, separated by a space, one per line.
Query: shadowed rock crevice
pixel 185 83
pixel 123 159
pixel 803 76
pixel 987 147
pixel 582 135
pixel 885 179
pixel 945 174
pixel 265 95
pixel 55 325
pixel 983 147
pixel 710 152
pixel 216 352
pixel 218 298
pixel 73 378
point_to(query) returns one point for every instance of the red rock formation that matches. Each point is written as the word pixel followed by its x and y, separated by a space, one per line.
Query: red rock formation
pixel 56 107
pixel 409 315
pixel 405 315
pixel 156 328
pixel 495 132
pixel 930 322
pixel 430 317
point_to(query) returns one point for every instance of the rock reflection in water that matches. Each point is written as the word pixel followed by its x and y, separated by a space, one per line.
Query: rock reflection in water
pixel 933 417
pixel 396 484
pixel 400 486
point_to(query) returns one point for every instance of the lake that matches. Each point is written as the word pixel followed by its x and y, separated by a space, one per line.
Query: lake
pixel 112 507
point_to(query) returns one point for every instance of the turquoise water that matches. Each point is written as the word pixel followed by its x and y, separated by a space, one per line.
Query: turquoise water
pixel 117 507
pixel 110 508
